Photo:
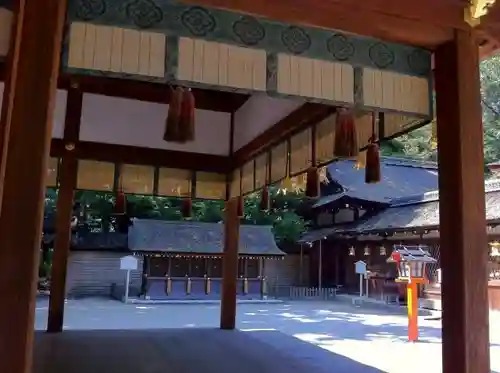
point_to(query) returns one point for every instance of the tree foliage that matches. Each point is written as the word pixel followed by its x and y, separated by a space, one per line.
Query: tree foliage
pixel 97 210
pixel 417 144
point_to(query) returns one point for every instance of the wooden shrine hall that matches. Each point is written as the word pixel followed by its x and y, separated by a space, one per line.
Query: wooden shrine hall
pixel 215 99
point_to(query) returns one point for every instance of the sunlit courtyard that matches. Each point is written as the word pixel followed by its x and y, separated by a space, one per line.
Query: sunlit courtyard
pixel 104 336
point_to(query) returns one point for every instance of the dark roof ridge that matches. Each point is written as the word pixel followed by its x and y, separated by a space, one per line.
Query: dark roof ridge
pixel 490 186
pixel 196 223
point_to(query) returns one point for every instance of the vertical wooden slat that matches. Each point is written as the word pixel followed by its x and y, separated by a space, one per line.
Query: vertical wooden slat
pixel 28 125
pixel 462 207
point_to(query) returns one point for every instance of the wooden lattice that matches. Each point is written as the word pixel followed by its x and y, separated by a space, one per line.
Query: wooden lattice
pixel 261 170
pixel 210 185
pixel 279 162
pixel 52 170
pixel 325 140
pixel 247 178
pixel 395 123
pixel 301 152
pixel 137 179
pixel 364 129
pixel 94 175
pixel 173 182
pixel 235 189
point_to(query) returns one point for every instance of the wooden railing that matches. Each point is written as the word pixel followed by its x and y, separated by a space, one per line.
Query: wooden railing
pixel 302 292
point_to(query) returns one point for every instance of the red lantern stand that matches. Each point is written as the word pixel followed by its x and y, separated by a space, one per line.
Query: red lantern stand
pixel 411 267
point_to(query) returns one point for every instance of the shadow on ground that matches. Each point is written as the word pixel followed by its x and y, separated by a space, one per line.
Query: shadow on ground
pixel 321 324
pixel 184 350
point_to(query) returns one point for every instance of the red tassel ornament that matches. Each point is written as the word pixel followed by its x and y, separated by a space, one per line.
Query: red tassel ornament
pixel 241 207
pixel 372 168
pixel 312 183
pixel 264 200
pixel 120 203
pixel 173 122
pixel 346 138
pixel 187 118
pixel 187 208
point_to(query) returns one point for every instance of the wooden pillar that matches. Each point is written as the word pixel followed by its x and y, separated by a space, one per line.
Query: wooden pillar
pixel 27 126
pixel 64 211
pixel 230 265
pixel 462 207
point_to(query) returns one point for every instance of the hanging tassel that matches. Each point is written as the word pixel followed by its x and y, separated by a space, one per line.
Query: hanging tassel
pixel 372 169
pixel 312 182
pixel 346 138
pixel 186 123
pixel 120 203
pixel 360 160
pixel 187 207
pixel 241 206
pixel 434 135
pixel 264 200
pixel 172 126
pixel 323 175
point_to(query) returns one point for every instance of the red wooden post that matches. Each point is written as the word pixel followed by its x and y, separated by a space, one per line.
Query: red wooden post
pixel 462 206
pixel 27 129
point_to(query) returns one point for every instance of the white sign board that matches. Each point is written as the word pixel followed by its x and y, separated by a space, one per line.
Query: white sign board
pixel 129 263
pixel 360 267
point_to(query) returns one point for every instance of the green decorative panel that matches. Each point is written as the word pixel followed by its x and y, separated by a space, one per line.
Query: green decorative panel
pixel 183 20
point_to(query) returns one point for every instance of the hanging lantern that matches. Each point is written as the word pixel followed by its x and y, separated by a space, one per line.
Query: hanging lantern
pixel 366 251
pixel 346 138
pixel 352 251
pixel 495 249
pixel 383 251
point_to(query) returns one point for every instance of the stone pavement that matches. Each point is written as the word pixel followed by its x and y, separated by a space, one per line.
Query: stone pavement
pixel 103 336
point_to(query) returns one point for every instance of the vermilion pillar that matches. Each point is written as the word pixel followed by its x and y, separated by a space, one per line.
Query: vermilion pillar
pixel 464 252
pixel 230 265
pixel 26 133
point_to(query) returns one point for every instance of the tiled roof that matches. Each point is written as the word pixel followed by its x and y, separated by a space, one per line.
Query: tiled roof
pixel 193 237
pixel 418 211
pixel 347 196
pixel 400 177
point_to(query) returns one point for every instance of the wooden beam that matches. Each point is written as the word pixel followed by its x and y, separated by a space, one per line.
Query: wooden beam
pixel 426 24
pixel 205 99
pixel 64 211
pixel 230 265
pixel 28 118
pixel 462 207
pixel 145 156
pixel 301 118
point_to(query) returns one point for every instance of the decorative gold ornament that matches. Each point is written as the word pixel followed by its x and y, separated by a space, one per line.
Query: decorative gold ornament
pixel 476 10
